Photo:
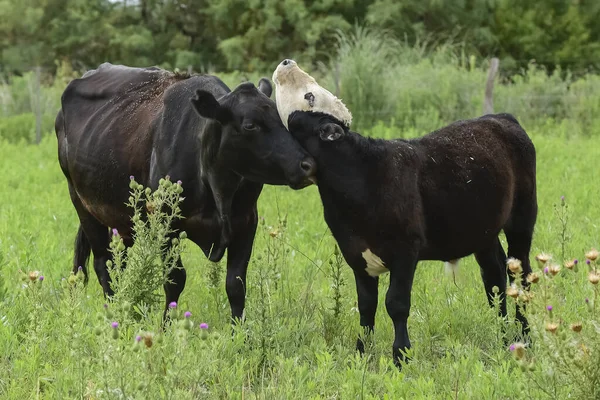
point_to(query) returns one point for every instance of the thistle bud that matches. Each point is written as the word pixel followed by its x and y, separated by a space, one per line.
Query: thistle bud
pixel 570 264
pixel 551 327
pixel 148 339
pixel 542 259
pixel 514 265
pixel 594 278
pixel 533 277
pixel 554 269
pixel 512 292
pixel 518 350
pixel 592 254
pixel 183 235
pixel 576 327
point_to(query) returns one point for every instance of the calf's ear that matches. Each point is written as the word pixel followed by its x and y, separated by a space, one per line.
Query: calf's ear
pixel 330 132
pixel 265 86
pixel 207 106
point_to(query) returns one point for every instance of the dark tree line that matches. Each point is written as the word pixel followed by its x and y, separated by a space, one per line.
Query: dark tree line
pixel 253 35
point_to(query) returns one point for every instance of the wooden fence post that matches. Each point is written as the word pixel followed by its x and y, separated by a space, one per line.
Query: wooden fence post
pixel 488 103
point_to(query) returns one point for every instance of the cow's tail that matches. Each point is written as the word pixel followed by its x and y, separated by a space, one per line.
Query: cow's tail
pixel 451 268
pixel 82 253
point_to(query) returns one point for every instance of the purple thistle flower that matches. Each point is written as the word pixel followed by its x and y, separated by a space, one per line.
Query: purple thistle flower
pixel 115 232
pixel 546 270
pixel 138 338
pixel 562 198
pixel 587 300
pixel 41 278
pixel 105 305
pixel 179 182
pixel 588 262
pixel 80 268
pixel 131 177
pixel 204 325
pixel 173 304
pixel 575 261
pixel 187 314
pixel 512 347
pixel 549 308
pixel 115 324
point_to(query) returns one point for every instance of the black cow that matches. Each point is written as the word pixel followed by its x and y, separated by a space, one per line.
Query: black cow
pixel 223 145
pixel 392 203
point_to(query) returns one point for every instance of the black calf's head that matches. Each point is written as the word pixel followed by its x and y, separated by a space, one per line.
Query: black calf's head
pixel 317 132
pixel 248 137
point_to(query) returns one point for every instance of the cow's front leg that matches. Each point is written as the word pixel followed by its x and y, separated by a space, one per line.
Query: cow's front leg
pixel 397 303
pixel 367 291
pixel 238 257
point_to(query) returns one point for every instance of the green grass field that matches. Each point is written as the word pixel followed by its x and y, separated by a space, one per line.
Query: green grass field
pixel 57 344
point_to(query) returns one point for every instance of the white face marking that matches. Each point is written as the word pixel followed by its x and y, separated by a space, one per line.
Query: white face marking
pixel 375 265
pixel 295 90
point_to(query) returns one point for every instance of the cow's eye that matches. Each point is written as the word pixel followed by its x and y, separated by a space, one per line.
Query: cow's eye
pixel 249 127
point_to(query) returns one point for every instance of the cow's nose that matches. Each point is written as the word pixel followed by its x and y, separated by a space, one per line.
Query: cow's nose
pixel 308 167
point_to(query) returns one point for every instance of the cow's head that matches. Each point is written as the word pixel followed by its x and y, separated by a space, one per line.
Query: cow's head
pixel 312 114
pixel 249 138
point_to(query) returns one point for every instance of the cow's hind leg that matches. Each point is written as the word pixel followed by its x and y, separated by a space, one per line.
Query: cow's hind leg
pixel 98 240
pixel 519 237
pixel 491 262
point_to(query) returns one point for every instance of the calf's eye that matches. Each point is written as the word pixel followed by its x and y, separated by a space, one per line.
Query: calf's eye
pixel 249 127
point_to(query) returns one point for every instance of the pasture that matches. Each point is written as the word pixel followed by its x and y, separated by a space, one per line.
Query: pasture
pixel 301 317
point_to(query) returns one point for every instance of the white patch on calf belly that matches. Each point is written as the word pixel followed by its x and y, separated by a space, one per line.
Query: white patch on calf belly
pixel 375 265
pixel 451 266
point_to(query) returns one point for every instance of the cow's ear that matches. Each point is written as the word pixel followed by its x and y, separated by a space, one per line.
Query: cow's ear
pixel 330 132
pixel 207 106
pixel 264 85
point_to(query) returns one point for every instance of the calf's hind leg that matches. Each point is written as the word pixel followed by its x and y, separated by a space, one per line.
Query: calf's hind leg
pixel 491 262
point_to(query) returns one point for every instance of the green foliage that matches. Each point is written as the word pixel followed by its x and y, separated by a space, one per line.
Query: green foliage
pixel 138 273
pixel 256 35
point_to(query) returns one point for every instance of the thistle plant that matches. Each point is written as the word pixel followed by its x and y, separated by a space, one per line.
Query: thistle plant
pixel 563 351
pixel 156 246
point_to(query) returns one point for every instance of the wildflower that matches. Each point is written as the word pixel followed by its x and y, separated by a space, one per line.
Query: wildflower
pixel 549 308
pixel 131 177
pixel 562 199
pixel 80 269
pixel 204 330
pixel 41 278
pixel 179 182
pixel 173 304
pixel 115 232
pixel 571 264
pixel 594 278
pixel 138 338
pixel 533 278
pixel 554 269
pixel 576 327
pixel 546 271
pixel 204 325
pixel 514 265
pixel 542 259
pixel 115 332
pixel 592 254
pixel 551 327
pixel 105 306
pixel 518 349
pixel 187 314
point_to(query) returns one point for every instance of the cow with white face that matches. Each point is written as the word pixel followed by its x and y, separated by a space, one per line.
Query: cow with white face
pixel 392 203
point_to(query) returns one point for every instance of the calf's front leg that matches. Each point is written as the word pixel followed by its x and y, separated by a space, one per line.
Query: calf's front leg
pixel 397 303
pixel 367 291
